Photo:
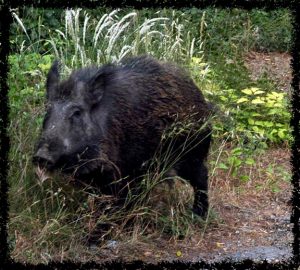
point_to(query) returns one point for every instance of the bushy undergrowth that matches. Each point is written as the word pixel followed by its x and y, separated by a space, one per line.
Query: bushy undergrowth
pixel 251 116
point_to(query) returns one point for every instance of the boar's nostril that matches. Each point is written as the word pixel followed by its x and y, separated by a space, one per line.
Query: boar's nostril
pixel 42 158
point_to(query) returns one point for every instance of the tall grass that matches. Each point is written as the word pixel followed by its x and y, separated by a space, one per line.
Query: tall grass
pixel 86 40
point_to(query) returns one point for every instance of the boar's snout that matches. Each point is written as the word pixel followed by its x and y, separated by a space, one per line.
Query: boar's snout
pixel 43 158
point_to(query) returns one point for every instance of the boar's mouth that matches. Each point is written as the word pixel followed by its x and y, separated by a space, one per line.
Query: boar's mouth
pixel 80 163
pixel 79 166
pixel 43 163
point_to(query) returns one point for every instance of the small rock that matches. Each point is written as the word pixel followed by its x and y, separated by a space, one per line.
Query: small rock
pixel 112 244
pixel 148 253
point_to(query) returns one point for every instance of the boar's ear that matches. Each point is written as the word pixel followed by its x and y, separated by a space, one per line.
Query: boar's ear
pixel 98 83
pixel 52 79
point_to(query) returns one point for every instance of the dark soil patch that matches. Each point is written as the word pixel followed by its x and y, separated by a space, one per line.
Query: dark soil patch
pixel 275 65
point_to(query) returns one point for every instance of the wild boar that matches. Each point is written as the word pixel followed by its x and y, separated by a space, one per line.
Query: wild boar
pixel 104 124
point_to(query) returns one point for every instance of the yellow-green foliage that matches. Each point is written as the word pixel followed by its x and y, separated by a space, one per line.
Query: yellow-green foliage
pixel 252 113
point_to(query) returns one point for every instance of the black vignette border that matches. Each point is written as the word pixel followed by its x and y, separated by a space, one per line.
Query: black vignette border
pixel 4 138
pixel 5 21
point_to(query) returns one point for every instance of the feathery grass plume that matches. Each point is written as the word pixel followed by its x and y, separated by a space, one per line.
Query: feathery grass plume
pixel 21 24
pixel 87 40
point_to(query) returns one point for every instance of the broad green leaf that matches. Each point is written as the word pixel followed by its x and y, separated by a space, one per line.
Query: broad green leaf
pixel 247 91
pixel 274 131
pixel 44 67
pixel 281 133
pixel 258 130
pixel 259 123
pixel 250 161
pixel 270 103
pixel 222 166
pixel 245 178
pixel 257 101
pixel 273 111
pixel 196 60
pixel 237 151
pixel 241 100
pixel 254 89
pixel 258 92
pixel 278 105
pixel 237 162
pixel 268 124
pixel 251 121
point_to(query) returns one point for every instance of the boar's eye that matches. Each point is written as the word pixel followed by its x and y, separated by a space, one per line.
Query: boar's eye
pixel 76 114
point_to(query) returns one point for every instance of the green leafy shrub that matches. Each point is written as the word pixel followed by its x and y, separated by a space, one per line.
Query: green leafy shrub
pixel 264 114
pixel 26 80
pixel 251 114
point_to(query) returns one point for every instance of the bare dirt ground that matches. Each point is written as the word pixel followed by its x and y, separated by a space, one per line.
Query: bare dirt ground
pixel 275 65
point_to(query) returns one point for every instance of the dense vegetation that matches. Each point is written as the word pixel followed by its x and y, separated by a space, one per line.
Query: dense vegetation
pixel 252 116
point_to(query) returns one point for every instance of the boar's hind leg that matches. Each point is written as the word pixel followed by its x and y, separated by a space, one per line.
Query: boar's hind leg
pixel 196 173
pixel 194 170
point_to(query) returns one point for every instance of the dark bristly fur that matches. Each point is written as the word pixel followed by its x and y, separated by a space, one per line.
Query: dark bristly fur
pixel 103 124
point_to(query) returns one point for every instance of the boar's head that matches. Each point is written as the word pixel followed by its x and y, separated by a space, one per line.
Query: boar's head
pixel 74 125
